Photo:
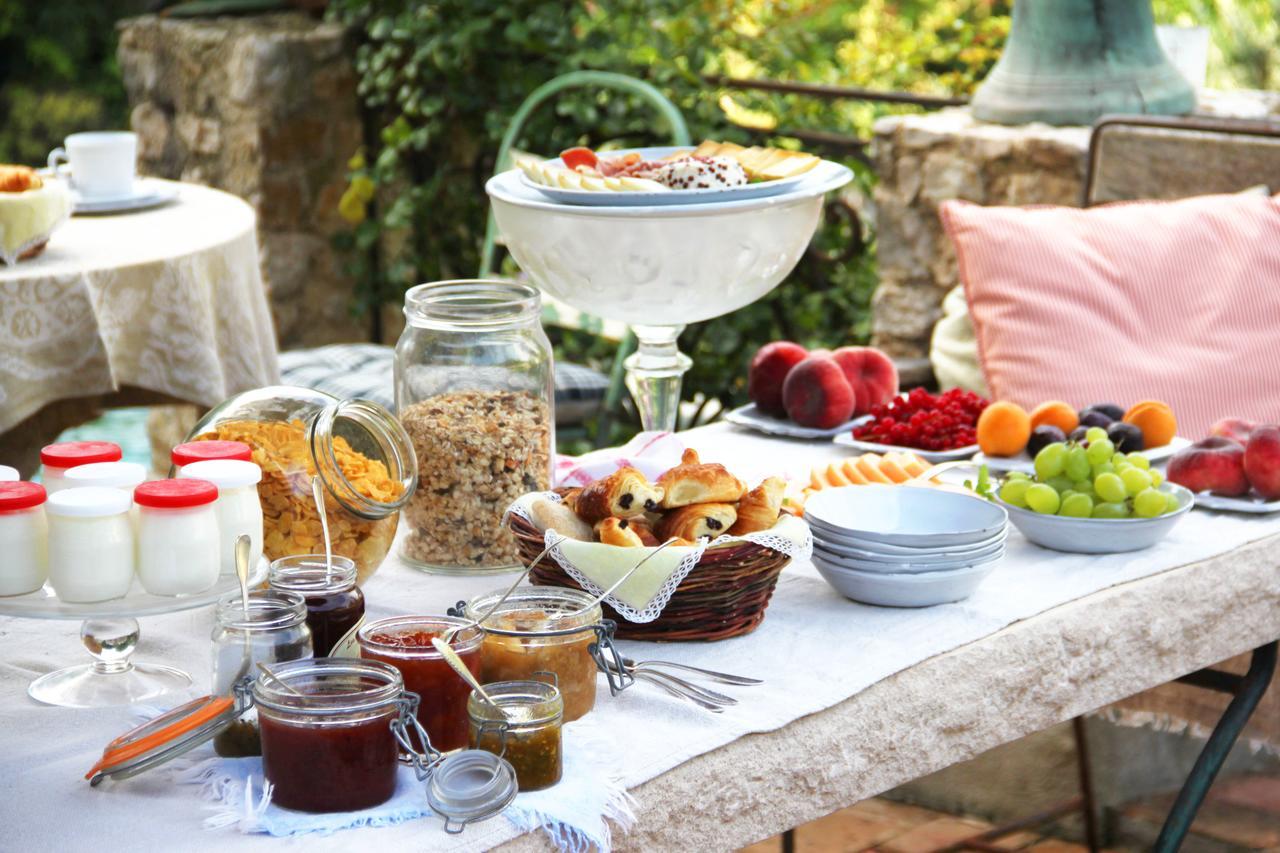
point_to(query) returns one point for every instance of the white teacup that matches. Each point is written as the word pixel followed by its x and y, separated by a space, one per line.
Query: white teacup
pixel 103 163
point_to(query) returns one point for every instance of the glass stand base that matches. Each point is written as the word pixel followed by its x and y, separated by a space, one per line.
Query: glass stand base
pixel 87 686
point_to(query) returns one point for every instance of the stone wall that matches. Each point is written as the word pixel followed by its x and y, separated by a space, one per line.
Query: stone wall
pixel 923 160
pixel 264 107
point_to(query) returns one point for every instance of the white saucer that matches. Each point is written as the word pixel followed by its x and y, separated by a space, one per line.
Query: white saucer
pixel 1250 503
pixel 147 193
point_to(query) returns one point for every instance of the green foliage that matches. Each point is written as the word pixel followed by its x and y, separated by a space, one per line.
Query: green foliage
pixel 58 73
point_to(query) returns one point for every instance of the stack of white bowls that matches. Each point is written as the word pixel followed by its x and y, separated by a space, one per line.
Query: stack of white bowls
pixel 905 546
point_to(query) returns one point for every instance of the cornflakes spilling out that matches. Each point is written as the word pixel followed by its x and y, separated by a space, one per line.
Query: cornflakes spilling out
pixel 291 524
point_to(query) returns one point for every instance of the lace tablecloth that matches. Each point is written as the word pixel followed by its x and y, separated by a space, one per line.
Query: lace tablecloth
pixel 169 300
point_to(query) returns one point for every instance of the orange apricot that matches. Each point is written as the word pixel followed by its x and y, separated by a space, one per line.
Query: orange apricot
pixel 1156 420
pixel 1003 429
pixel 1055 413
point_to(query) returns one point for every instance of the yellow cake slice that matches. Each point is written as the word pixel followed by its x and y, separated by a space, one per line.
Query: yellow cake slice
pixel 31 208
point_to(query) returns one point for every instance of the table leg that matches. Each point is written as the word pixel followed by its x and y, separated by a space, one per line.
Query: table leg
pixel 1248 690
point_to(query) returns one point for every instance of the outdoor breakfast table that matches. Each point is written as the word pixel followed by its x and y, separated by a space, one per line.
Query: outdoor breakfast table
pixel 856 699
pixel 158 305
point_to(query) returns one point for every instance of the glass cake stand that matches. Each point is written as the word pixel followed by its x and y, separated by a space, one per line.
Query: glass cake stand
pixel 660 267
pixel 109 630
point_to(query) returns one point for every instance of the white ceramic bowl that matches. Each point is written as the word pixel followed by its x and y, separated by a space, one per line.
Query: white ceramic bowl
pixel 1099 535
pixel 905 515
pixel 854 546
pixel 903 590
pixel 907 565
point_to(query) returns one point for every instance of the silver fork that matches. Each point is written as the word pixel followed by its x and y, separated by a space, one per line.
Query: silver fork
pixel 722 677
pixel 708 699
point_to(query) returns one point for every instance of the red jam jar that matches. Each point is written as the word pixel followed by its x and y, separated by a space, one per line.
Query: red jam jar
pixel 327 739
pixel 335 604
pixel 405 643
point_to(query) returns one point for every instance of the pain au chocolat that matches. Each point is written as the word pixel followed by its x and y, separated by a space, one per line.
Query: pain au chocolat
pixel 625 493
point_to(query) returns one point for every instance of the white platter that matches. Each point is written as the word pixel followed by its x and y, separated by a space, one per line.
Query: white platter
pixel 907 516
pixel 846 439
pixel 1023 462
pixel 752 418
pixel 1249 503
pixel 613 198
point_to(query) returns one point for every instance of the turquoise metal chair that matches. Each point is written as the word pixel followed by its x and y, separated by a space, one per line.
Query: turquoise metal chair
pixel 668 113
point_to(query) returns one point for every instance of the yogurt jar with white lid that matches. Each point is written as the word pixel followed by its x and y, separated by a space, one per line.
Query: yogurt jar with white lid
pixel 56 459
pixel 91 544
pixel 125 476
pixel 24 566
pixel 9 474
pixel 178 548
pixel 238 508
pixel 205 451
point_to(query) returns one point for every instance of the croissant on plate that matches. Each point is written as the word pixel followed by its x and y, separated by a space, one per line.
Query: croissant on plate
pixel 625 493
pixel 697 521
pixel 696 482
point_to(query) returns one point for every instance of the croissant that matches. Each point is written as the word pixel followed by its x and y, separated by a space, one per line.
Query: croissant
pixel 697 521
pixel 549 515
pixel 694 482
pixel 625 493
pixel 759 508
pixel 616 531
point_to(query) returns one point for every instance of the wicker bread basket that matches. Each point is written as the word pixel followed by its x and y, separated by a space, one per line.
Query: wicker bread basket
pixel 724 596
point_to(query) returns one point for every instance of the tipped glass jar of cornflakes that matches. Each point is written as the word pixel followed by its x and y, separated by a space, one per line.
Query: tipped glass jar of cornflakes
pixel 475 391
pixel 360 452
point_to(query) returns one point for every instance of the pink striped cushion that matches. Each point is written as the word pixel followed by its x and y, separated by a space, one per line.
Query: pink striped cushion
pixel 1177 301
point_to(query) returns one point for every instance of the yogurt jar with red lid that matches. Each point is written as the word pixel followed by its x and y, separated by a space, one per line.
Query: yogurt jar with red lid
pixel 55 459
pixel 23 534
pixel 205 451
pixel 178 547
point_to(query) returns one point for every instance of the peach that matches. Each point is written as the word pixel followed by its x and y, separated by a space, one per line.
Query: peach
pixel 1236 429
pixel 1262 461
pixel 768 370
pixel 871 374
pixel 1003 429
pixel 1215 464
pixel 816 394
pixel 1055 413
pixel 1156 421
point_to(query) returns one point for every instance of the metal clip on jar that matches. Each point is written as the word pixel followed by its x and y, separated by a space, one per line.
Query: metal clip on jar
pixel 335 604
pixel 475 391
pixel 332 732
pixel 357 448
pixel 549 629
pixel 525 728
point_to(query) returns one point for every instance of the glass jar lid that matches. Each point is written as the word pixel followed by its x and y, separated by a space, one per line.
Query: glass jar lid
pixel 470 786
pixel 327 687
pixel 311 574
pixel 536 612
pixel 269 610
pixel 164 737
pixel 520 704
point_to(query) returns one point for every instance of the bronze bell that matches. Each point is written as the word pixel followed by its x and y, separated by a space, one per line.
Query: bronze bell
pixel 1071 61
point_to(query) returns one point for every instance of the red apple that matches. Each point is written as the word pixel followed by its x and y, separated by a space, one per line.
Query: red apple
pixel 768 370
pixel 1215 464
pixel 1262 461
pixel 816 393
pixel 872 375
pixel 1236 429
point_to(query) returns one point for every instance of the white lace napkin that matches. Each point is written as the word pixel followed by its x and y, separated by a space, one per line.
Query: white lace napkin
pixel 642 597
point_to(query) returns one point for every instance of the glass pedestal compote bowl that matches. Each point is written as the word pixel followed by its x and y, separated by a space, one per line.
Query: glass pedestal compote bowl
pixel 109 630
pixel 660 267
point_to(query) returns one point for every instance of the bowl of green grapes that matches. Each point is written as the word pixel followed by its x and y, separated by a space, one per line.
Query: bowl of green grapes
pixel 1088 498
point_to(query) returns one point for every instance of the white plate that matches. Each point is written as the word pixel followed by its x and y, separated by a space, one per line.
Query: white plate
pixel 846 439
pixel 1023 462
pixel 906 515
pixel 1099 535
pixel 898 567
pixel 752 418
pixel 613 198
pixel 147 193
pixel 1248 503
pixel 918 590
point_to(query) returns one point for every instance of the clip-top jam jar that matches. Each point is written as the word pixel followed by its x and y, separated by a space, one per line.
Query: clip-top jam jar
pixel 524 729
pixel 327 739
pixel 405 643
pixel 335 604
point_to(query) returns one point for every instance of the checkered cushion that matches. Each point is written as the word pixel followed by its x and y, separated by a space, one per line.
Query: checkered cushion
pixel 365 370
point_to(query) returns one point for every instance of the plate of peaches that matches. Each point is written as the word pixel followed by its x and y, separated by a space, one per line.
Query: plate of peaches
pixel 1236 468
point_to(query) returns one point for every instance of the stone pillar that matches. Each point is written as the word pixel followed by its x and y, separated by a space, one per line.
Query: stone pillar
pixel 264 107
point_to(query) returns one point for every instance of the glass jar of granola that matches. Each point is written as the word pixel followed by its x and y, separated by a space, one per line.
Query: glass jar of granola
pixel 474 390
pixel 358 450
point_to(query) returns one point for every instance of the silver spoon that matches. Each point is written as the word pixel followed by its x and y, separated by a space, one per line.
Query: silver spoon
pixel 451 657
pixel 722 677
pixel 453 632
pixel 242 570
pixel 317 493
pixel 278 681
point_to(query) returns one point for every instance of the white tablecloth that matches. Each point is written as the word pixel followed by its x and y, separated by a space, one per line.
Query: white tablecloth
pixel 814 650
pixel 168 300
